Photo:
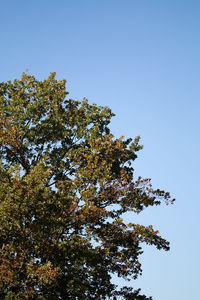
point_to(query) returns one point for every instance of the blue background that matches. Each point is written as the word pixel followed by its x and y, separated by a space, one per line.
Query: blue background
pixel 140 58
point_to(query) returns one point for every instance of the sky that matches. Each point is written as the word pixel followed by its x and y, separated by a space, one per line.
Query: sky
pixel 140 58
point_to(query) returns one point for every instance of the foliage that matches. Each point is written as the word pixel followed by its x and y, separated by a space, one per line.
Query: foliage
pixel 65 183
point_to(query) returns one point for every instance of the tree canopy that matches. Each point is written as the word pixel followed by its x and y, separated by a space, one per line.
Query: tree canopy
pixel 65 185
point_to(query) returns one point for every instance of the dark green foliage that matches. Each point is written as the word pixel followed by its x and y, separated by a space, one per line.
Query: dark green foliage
pixel 65 182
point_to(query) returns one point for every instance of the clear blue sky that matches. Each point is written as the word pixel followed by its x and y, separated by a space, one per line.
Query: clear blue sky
pixel 142 59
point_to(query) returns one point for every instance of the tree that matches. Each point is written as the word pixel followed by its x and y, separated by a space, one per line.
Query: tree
pixel 65 185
